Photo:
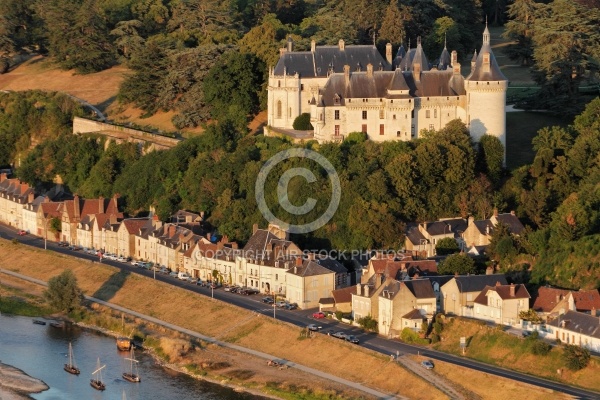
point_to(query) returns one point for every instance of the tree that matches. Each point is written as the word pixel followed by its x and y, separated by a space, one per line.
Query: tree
pixel 575 357
pixel 392 26
pixel 63 294
pixel 520 29
pixel 264 40
pixel 55 225
pixel 457 264
pixel 201 21
pixel 490 158
pixel 302 122
pixel 234 83
pixel 446 246
pixel 572 219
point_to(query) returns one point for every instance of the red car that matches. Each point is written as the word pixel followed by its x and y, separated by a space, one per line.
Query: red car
pixel 22 233
pixel 318 315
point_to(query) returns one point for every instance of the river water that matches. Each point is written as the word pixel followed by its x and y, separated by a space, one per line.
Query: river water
pixel 41 351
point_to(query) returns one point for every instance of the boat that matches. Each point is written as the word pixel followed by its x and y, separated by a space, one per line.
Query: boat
pixel 58 325
pixel 38 322
pixel 70 367
pixel 130 375
pixel 123 343
pixel 96 381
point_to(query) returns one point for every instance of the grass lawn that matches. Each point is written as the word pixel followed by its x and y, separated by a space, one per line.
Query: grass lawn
pixel 521 128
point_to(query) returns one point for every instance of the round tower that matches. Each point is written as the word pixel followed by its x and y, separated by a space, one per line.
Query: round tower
pixel 486 89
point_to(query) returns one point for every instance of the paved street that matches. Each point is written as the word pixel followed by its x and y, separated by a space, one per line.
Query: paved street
pixel 302 318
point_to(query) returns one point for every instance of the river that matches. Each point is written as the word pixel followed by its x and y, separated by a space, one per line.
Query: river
pixel 41 351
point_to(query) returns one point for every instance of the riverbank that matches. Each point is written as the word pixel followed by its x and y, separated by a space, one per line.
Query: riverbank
pixel 16 384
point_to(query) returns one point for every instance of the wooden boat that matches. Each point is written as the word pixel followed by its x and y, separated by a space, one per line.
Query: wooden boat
pixel 130 375
pixel 96 381
pixel 38 322
pixel 70 367
pixel 58 325
pixel 123 343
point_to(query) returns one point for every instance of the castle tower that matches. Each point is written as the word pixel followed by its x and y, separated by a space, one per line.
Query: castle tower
pixel 486 95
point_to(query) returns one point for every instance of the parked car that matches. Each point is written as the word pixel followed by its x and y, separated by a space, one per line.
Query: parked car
pixel 291 306
pixel 318 315
pixel 215 285
pixel 121 259
pixel 330 332
pixel 250 291
pixel 268 300
pixel 427 364
pixel 22 233
pixel 314 327
pixel 92 252
pixel 281 304
pixel 339 335
pixel 191 280
pixel 173 274
pixel 163 270
pixel 352 339
pixel 63 244
pixel 526 334
pixel 231 289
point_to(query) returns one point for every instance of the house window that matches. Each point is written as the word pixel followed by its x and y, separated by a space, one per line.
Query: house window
pixel 336 114
pixel 412 113
pixel 364 129
pixel 279 109
pixel 394 116
pixel 431 127
pixel 301 86
pixel 276 277
pixel 381 114
pixel 364 115
pixel 381 129
pixel 427 112
pixel 435 113
pixel 397 133
pixel 278 83
pixel 337 130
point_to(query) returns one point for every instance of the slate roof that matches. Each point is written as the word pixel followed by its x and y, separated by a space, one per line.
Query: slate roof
pixel 478 73
pixel 318 63
pixel 413 314
pixel 504 293
pixel 476 283
pixel 420 288
pixel 514 224
pixel 579 323
pixel 332 265
pixel 308 268
pixel 414 235
pixel 15 190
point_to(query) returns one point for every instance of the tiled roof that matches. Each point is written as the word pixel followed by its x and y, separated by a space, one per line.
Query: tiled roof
pixel 577 322
pixel 476 283
pixel 327 300
pixel 52 209
pixel 586 300
pixel 343 295
pixel 548 298
pixel 133 225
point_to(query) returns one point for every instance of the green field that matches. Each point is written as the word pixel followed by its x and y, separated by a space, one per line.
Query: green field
pixel 521 128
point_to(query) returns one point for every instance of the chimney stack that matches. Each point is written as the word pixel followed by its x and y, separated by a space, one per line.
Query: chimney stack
pixel 290 44
pixel 347 73
pixel 298 261
pixel 370 70
pixel 76 207
pixel 100 205
pixel 3 177
pixel 254 228
pixel 342 45
pixel 388 52
pixel 358 289
pixel 512 290
pixel 366 290
pixel 313 46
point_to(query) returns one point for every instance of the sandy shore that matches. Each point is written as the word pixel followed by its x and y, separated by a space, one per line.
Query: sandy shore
pixel 16 384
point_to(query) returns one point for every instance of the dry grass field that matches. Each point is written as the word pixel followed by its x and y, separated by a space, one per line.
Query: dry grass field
pixel 221 320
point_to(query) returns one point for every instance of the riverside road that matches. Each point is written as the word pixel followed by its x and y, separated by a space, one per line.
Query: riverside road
pixel 302 318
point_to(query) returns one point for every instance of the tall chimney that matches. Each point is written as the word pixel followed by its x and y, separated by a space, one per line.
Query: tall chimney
pixel 100 205
pixel 388 52
pixel 290 44
pixel 366 290
pixel 254 228
pixel 342 45
pixel 347 73
pixel 313 46
pixel 512 290
pixel 369 70
pixel 76 210
pixel 358 289
pixel 298 261
pixel 3 177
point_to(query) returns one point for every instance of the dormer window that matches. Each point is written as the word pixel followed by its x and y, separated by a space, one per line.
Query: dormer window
pixel 336 99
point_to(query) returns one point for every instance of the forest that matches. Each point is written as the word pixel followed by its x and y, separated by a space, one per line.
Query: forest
pixel 207 60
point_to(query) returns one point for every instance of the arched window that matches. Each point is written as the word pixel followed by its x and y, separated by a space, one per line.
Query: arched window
pixel 279 109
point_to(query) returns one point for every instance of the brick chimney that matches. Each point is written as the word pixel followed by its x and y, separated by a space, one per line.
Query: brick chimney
pixel 30 197
pixel 100 205
pixel 3 177
pixel 313 46
pixel 366 290
pixel 298 261
pixel 358 289
pixel 254 228
pixel 512 290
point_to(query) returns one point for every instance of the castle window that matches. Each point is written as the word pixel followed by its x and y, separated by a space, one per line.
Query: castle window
pixel 381 114
pixel 336 114
pixel 435 113
pixel 381 129
pixel 278 83
pixel 427 113
pixel 412 113
pixel 279 109
pixel 397 133
pixel 302 86
pixel 364 129
pixel 412 131
pixel 337 130
pixel 336 99
pixel 405 116
pixel 364 115
pixel 394 116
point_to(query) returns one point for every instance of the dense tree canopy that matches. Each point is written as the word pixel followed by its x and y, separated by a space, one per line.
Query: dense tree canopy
pixel 63 294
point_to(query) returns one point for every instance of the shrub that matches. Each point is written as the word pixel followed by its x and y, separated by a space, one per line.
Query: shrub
pixel 368 323
pixel 435 338
pixel 437 328
pixel 409 336
pixel 302 122
pixel 575 357
pixel 540 348
pixel 339 315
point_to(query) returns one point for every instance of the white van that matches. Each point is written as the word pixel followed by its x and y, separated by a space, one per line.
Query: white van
pixel 183 276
